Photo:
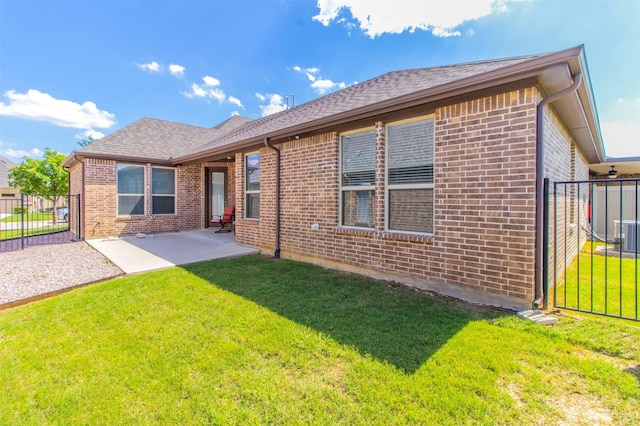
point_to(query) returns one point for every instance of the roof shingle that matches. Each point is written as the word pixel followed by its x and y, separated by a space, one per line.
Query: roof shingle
pixel 159 139
pixel 379 89
pixel 164 140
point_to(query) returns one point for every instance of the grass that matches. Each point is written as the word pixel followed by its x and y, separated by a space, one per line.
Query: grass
pixel 8 234
pixel 30 232
pixel 29 217
pixel 252 341
pixel 615 287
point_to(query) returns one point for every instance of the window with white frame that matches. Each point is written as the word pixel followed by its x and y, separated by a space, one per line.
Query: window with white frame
pixel 163 190
pixel 409 175
pixel 252 185
pixel 130 184
pixel 357 178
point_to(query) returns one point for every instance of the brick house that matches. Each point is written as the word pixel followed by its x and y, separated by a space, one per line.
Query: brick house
pixel 9 196
pixel 431 177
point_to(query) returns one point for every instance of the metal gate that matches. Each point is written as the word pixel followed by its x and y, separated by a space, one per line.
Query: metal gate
pixel 593 246
pixel 30 220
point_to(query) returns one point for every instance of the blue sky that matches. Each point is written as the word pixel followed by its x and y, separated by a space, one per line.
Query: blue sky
pixel 69 69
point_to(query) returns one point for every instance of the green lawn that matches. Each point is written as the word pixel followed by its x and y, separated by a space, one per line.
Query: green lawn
pixel 29 217
pixel 614 289
pixel 261 341
pixel 30 232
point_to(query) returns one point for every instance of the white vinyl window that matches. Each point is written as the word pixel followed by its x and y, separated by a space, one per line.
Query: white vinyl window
pixel 252 185
pixel 130 184
pixel 409 175
pixel 357 178
pixel 163 190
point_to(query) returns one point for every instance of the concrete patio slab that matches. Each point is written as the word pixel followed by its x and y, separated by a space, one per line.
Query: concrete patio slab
pixel 156 251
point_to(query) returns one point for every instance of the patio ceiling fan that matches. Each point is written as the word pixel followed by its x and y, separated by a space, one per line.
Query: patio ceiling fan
pixel 613 173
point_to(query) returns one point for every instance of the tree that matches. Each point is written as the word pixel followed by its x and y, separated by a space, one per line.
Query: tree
pixel 45 178
pixel 87 141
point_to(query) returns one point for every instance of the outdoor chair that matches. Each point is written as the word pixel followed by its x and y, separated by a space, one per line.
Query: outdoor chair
pixel 226 220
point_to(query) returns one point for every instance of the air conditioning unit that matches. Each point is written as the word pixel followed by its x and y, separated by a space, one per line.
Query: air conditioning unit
pixel 628 234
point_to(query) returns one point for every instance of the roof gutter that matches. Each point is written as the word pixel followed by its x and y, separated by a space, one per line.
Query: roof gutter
pixel 276 253
pixel 541 225
pixel 74 156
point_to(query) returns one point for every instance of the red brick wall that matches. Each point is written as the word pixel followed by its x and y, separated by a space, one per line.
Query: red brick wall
pixel 100 200
pixel 484 216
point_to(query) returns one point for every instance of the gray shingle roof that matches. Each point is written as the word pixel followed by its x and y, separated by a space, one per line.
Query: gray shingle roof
pixel 158 139
pixel 5 165
pixel 164 140
pixel 385 87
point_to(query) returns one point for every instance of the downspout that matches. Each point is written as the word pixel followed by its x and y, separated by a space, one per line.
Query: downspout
pixel 276 253
pixel 540 193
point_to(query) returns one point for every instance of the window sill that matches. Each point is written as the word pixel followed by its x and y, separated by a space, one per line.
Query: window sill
pixel 368 233
pixel 387 235
pixel 247 221
pixel 412 238
pixel 130 218
pixel 143 217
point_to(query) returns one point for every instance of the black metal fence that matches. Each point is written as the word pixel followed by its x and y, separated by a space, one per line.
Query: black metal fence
pixel 594 241
pixel 30 220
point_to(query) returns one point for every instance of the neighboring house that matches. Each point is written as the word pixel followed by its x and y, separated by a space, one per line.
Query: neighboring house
pixel 8 194
pixel 431 177
pixel 613 200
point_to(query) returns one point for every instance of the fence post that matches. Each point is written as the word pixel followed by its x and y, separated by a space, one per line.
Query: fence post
pixel 22 221
pixel 545 243
pixel 78 217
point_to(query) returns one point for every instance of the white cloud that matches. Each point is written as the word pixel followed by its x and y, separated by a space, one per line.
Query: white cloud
pixel 621 138
pixel 235 101
pixel 151 67
pixel 319 84
pixel 234 113
pixel 309 72
pixel 93 134
pixel 177 70
pixel 375 18
pixel 276 103
pixel 208 90
pixel 18 154
pixel 38 106
pixel 210 81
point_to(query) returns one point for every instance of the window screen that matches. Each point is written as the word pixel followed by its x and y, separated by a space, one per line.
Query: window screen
pixel 163 190
pixel 130 183
pixel 357 183
pixel 410 155
pixel 252 186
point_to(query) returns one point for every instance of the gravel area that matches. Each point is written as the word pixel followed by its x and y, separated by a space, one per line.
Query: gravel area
pixel 38 270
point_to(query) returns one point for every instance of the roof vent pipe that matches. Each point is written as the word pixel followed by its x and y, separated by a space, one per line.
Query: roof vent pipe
pixel 552 78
